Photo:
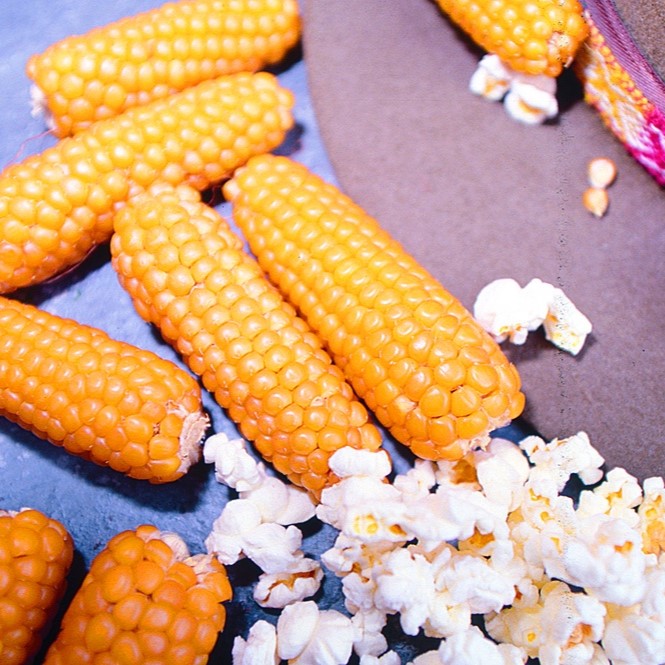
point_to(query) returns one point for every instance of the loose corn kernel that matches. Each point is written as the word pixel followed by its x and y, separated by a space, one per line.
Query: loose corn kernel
pixel 531 36
pixel 261 362
pixel 601 172
pixel 90 77
pixel 596 200
pixel 36 553
pixel 54 374
pixel 444 398
pixel 130 623
pixel 56 206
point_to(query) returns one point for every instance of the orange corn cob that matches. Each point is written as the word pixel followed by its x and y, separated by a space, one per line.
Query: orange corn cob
pixel 57 205
pixel 416 356
pixel 86 78
pixel 35 556
pixel 101 399
pixel 531 36
pixel 188 274
pixel 144 601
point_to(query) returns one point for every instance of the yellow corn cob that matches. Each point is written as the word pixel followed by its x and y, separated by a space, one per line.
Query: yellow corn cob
pixel 36 553
pixel 57 205
pixel 531 36
pixel 188 274
pixel 86 78
pixel 101 399
pixel 145 600
pixel 416 356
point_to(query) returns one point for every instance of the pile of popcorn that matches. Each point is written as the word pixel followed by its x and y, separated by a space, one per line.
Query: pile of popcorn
pixel 492 540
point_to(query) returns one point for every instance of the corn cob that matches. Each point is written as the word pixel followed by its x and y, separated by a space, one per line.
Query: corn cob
pixel 85 78
pixel 104 400
pixel 36 553
pixel 57 205
pixel 531 36
pixel 145 600
pixel 187 273
pixel 411 351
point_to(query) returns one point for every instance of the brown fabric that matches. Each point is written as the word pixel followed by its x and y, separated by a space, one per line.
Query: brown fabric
pixel 645 21
pixel 476 196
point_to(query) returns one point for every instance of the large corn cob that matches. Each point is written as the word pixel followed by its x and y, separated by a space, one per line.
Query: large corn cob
pixel 144 601
pixel 99 398
pixel 85 78
pixel 416 356
pixel 57 205
pixel 531 36
pixel 36 553
pixel 188 274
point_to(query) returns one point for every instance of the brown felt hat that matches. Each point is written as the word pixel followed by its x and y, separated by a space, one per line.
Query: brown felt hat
pixel 476 196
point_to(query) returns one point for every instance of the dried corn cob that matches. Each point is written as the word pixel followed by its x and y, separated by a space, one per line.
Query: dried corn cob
pixel 101 399
pixel 144 600
pixel 36 553
pixel 531 36
pixel 86 78
pixel 416 356
pixel 56 206
pixel 188 274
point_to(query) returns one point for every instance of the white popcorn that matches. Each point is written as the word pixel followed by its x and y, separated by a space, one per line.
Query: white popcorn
pixel 507 311
pixel 281 503
pixel 388 658
pixel 560 458
pixel 653 601
pixel 349 461
pixel 260 648
pixel 605 558
pixel 368 639
pixel 502 470
pixel 417 481
pixel 617 496
pixel 471 647
pixel 651 513
pixel 227 538
pixel 532 100
pixel 491 79
pixel 560 628
pixel 565 326
pixel 234 466
pixel 633 639
pixel 301 579
pixel 273 547
pixel 309 636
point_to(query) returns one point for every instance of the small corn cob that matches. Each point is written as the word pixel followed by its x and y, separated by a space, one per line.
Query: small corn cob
pixel 144 600
pixel 99 398
pixel 411 351
pixel 86 78
pixel 187 273
pixel 57 205
pixel 531 36
pixel 36 553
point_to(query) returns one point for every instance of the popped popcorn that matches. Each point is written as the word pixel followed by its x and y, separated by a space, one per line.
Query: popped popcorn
pixel 527 98
pixel 260 647
pixel 388 658
pixel 234 466
pixel 507 311
pixel 630 638
pixel 651 513
pixel 300 579
pixel 309 636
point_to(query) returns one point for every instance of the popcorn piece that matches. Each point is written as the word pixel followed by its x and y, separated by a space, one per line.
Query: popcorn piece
pixel 280 502
pixel 234 466
pixel 565 326
pixel 560 458
pixel 471 647
pixel 309 636
pixel 508 311
pixel 348 461
pixel 560 628
pixel 273 547
pixel 368 639
pixel 631 638
pixel 491 78
pixel 651 515
pixel 388 658
pixel 617 496
pixel 260 648
pixel 227 538
pixel 300 580
pixel 532 100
